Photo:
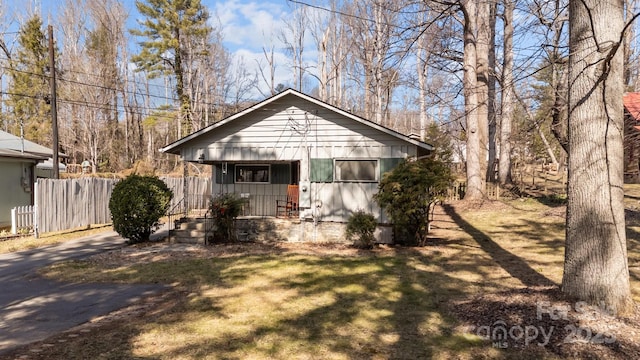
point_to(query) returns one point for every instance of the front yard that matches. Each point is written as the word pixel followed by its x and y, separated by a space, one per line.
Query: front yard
pixel 487 268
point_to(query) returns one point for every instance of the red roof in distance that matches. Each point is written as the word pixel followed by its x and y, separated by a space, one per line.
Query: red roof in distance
pixel 632 104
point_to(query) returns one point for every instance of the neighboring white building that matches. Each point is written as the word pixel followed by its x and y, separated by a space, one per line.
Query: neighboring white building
pixel 18 159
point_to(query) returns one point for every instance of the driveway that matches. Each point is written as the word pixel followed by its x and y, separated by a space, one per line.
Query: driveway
pixel 33 308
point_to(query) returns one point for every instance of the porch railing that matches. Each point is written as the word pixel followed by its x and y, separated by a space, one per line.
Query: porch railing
pixel 260 205
pixel 197 206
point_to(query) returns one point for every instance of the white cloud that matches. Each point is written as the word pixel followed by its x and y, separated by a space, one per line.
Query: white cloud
pixel 248 27
pixel 249 24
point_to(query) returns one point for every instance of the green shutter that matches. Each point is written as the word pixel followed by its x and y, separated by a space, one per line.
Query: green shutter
pixel 321 170
pixel 280 173
pixel 228 177
pixel 387 164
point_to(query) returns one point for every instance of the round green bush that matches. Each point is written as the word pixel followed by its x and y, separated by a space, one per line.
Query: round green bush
pixel 137 203
pixel 360 228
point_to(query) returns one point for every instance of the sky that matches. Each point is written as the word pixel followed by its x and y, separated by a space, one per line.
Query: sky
pixel 248 26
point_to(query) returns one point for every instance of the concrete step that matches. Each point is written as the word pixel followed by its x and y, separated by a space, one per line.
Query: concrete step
pixel 192 230
pixel 196 225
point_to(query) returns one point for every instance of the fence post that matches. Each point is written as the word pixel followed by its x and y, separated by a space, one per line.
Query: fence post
pixel 35 210
pixel 14 220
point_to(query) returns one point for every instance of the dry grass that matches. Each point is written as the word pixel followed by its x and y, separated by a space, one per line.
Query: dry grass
pixel 485 262
pixel 53 238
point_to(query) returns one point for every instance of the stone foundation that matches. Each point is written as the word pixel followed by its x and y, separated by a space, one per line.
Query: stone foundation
pixel 295 230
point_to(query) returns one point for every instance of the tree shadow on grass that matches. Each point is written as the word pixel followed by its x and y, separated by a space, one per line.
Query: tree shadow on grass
pixel 514 265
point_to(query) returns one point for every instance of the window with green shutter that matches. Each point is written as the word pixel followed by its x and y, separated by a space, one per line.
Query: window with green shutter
pixel 359 170
pixel 321 170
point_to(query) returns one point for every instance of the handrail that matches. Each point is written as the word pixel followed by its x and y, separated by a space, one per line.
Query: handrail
pixel 209 226
pixel 170 217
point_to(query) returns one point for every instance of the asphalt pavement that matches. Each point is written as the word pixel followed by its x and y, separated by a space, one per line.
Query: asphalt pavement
pixel 33 308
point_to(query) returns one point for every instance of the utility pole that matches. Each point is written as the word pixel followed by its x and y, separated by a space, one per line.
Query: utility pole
pixel 54 109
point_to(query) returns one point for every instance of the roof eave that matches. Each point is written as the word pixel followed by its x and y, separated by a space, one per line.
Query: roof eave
pixel 174 148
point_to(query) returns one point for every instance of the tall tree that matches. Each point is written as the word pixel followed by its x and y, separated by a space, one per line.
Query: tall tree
pixel 484 73
pixel 508 95
pixel 475 151
pixel 293 37
pixel 595 266
pixel 169 27
pixel 29 84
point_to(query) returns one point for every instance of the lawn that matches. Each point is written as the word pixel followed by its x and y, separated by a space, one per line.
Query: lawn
pixel 485 264
pixel 13 244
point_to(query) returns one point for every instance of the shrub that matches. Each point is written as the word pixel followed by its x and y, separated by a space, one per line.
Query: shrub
pixel 407 194
pixel 137 203
pixel 225 208
pixel 361 226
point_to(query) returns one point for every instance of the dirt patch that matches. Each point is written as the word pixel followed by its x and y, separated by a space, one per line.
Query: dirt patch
pixel 533 321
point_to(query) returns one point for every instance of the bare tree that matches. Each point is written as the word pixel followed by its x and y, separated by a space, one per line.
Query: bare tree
pixel 596 265
pixel 268 76
pixel 484 72
pixel 508 95
pixel 293 37
pixel 475 153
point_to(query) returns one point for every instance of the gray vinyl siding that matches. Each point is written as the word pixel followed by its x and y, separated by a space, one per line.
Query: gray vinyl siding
pixel 285 131
pixel 340 200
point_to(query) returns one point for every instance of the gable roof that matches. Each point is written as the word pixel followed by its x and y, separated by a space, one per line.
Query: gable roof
pixel 174 147
pixel 13 146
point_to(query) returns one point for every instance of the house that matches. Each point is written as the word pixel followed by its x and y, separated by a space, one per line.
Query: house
pixel 335 158
pixel 18 168
pixel 631 137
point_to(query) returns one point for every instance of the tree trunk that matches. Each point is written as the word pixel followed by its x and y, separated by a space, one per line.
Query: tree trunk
pixel 475 175
pixel 595 266
pixel 491 94
pixel 483 29
pixel 508 97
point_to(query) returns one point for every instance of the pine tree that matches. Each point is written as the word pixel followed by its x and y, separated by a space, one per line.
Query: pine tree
pixel 170 28
pixel 29 84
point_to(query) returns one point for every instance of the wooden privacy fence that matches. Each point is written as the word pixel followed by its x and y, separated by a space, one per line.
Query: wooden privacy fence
pixel 199 192
pixel 74 203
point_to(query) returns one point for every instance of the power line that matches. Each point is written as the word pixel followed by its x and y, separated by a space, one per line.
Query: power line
pixel 127 92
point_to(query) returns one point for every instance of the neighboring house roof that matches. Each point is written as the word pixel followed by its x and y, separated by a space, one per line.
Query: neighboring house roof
pixel 9 153
pixel 632 106
pixel 12 146
pixel 175 146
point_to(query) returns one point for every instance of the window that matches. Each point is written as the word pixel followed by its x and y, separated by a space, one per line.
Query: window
pixel 252 173
pixel 356 170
